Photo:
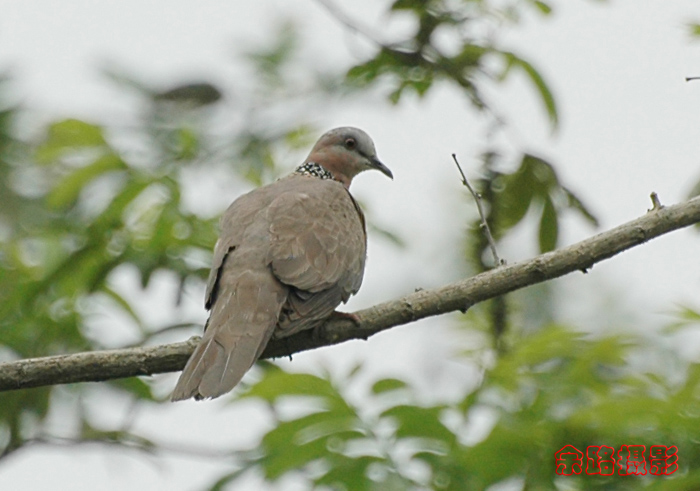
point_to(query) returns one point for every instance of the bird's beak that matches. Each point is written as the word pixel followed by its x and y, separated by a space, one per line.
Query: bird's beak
pixel 376 164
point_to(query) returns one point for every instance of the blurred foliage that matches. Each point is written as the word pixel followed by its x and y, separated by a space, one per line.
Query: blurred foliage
pixel 533 186
pixel 80 213
pixel 81 210
pixel 458 42
pixel 532 191
pixel 694 29
pixel 454 42
pixel 556 387
pixel 79 207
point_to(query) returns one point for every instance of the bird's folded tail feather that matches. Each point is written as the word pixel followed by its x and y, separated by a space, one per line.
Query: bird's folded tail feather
pixel 213 370
pixel 241 324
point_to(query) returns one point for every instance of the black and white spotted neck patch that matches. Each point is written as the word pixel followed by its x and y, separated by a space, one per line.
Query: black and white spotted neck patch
pixel 314 170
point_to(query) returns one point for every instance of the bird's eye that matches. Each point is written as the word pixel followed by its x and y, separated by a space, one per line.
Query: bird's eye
pixel 350 143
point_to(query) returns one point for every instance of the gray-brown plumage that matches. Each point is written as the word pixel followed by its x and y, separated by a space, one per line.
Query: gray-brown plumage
pixel 289 253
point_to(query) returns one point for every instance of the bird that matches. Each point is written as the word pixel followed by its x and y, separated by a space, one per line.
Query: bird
pixel 288 254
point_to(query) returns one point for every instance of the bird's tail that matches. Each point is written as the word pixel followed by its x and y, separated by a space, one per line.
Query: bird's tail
pixel 242 321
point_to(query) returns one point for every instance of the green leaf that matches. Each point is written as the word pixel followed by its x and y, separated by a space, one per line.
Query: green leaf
pixel 694 29
pixel 689 315
pixel 270 62
pixel 416 5
pixel 297 443
pixel 66 135
pixel 547 344
pixel 470 56
pixel 685 317
pixel 222 483
pixel 21 404
pixel 544 178
pixel 117 436
pixel 276 465
pixel 125 306
pixel 575 203
pixel 543 7
pixel 362 73
pixel 187 144
pixel 112 216
pixel 505 453
pixel 679 482
pixel 515 197
pixel 395 95
pixel 300 137
pixel 66 192
pixel 281 383
pixel 387 234
pixel 539 83
pixel 534 181
pixel 420 422
pixel 349 472
pixel 134 386
pixel 277 383
pixel 549 229
pixel 388 385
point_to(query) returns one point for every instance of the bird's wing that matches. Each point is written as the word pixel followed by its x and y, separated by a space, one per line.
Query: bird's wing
pixel 317 247
pixel 234 226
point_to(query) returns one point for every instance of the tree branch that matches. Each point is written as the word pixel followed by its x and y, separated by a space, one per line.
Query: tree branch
pixel 105 365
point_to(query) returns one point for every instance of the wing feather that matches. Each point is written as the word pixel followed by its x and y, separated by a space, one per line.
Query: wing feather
pixel 317 247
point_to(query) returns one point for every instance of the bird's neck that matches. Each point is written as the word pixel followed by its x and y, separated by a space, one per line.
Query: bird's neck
pixel 313 169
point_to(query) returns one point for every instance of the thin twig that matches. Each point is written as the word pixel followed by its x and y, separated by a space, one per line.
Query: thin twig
pixel 353 25
pixel 484 226
pixel 688 79
pixel 655 202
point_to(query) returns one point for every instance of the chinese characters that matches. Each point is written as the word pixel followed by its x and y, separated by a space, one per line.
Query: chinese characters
pixel 629 460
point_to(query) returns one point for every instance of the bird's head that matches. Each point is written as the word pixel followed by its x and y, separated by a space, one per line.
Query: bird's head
pixel 345 152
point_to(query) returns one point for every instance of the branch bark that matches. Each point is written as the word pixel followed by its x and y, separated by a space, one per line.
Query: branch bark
pixel 105 365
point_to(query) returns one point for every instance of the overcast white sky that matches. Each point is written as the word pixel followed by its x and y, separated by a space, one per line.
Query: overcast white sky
pixel 629 126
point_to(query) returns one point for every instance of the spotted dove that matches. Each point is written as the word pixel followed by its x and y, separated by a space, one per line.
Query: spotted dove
pixel 289 253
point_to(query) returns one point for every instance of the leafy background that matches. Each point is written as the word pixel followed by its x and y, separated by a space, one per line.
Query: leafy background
pixel 109 215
